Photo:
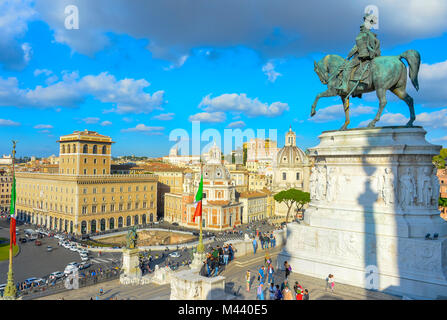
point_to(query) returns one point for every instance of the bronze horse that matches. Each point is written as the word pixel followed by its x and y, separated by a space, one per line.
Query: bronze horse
pixel 386 73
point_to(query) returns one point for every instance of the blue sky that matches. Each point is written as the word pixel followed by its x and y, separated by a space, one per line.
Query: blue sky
pixel 136 71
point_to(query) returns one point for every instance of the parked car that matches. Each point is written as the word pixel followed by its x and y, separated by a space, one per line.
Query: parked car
pixel 83 251
pixel 84 265
pixel 38 243
pixel 23 240
pixel 73 264
pixel 56 275
pixel 175 224
pixel 84 258
pixel 73 248
pixel 49 248
pixel 174 254
pixel 39 282
pixel 29 281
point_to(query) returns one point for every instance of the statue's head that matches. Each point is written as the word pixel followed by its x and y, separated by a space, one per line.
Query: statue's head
pixel 369 20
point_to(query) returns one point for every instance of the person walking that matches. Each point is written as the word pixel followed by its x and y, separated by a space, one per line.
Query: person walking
pixel 260 292
pixel 216 266
pixel 331 282
pixel 226 254
pixel 255 245
pixel 247 280
pixel 270 272
pixel 278 293
pixel 306 294
pixel 287 293
pixel 287 268
pixel 261 274
pixel 272 291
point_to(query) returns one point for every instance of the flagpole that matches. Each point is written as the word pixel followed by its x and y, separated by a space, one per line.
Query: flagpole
pixel 200 246
pixel 10 289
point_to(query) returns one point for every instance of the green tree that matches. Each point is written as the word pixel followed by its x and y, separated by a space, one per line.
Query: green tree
pixel 439 160
pixel 442 202
pixel 292 197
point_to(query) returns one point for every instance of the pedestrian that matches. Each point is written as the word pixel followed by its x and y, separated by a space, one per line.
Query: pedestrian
pixel 260 292
pixel 261 238
pixel 231 252
pixel 299 294
pixel 226 254
pixel 306 294
pixel 272 291
pixel 287 268
pixel 101 291
pixel 331 282
pixel 287 293
pixel 297 287
pixel 261 275
pixel 255 245
pixel 247 280
pixel 270 272
pixel 278 293
pixel 216 266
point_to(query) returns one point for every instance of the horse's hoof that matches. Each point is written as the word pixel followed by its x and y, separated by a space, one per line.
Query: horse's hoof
pixel 372 124
pixel 343 128
pixel 312 113
pixel 409 124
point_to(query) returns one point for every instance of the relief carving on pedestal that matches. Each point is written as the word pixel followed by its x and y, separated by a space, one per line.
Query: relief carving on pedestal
pixel 407 189
pixel 386 187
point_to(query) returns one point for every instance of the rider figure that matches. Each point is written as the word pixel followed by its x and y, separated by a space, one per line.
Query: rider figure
pixel 366 48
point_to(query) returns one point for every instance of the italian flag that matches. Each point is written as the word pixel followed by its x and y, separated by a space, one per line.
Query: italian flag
pixel 198 202
pixel 12 211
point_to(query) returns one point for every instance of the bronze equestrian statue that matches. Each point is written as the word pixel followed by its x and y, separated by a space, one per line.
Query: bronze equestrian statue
pixel 367 72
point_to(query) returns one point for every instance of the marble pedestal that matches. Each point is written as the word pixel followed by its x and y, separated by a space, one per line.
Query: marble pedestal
pixel 374 196
pixel 189 285
pixel 131 269
pixel 197 261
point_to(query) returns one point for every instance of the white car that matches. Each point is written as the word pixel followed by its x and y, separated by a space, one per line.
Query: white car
pixel 84 258
pixel 65 244
pixel 174 254
pixel 83 251
pixel 73 248
pixel 56 275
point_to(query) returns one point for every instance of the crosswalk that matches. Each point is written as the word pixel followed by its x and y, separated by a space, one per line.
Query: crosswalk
pixel 103 260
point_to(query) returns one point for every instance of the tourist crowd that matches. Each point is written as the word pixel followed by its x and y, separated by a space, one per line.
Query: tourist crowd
pixel 216 259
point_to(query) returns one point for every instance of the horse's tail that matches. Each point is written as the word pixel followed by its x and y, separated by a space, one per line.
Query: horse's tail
pixel 413 59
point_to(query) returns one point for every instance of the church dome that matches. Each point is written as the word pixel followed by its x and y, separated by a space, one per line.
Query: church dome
pixel 290 156
pixel 216 172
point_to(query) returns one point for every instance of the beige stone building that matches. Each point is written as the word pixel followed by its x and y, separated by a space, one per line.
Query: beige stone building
pixel 254 206
pixel 84 197
pixel 5 190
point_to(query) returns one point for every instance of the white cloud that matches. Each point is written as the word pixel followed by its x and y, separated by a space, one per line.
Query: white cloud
pixel 435 120
pixel 106 123
pixel 127 119
pixel 288 27
pixel 43 126
pixel 269 71
pixel 180 62
pixel 91 120
pixel 336 112
pixel 209 117
pixel 143 128
pixel 237 124
pixel 241 103
pixel 129 95
pixel 14 18
pixel 164 116
pixel 46 72
pixel 8 123
pixel 433 81
pixel 388 119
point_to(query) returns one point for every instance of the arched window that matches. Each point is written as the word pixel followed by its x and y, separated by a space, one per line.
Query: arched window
pixel 74 148
pixel 151 217
pixel 104 149
pixel 120 222
pixel 95 149
pixel 297 176
pixel 111 223
pixel 128 221
pixel 85 149
pixel 103 224
pixel 284 176
pixel 135 220
pixel 68 148
pixel 63 149
pixel 83 227
pixel 143 219
pixel 93 226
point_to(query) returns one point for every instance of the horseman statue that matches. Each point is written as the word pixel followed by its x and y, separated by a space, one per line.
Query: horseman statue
pixel 365 70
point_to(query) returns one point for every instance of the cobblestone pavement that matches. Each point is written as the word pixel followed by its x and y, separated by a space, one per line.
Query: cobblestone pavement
pixel 235 286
